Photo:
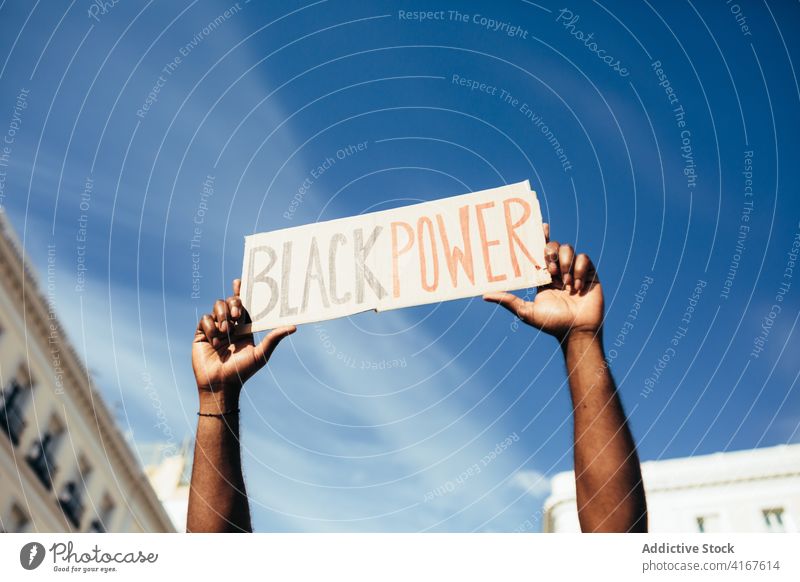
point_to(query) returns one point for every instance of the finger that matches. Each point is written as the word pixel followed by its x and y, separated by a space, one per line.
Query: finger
pixel 551 258
pixel 241 313
pixel 200 332
pixel 235 307
pixel 566 255
pixel 583 271
pixel 223 316
pixel 208 327
pixel 546 229
pixel 514 304
pixel 267 345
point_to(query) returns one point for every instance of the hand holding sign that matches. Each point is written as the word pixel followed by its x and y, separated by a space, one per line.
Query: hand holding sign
pixel 223 362
pixel 436 251
pixel 572 302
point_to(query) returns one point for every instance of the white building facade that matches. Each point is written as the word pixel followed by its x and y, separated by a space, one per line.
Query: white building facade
pixel 169 472
pixel 754 490
pixel 64 466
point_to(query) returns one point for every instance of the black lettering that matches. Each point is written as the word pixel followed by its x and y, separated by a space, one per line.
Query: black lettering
pixel 336 239
pixel 262 278
pixel 286 267
pixel 363 274
pixel 314 273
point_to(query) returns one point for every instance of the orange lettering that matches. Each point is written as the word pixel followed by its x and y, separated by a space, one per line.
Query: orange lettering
pixel 423 263
pixel 456 255
pixel 513 237
pixel 487 243
pixel 396 254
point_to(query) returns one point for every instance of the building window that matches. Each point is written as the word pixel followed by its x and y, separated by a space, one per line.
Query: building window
pixel 17 520
pixel 774 519
pixel 708 523
pixel 101 522
pixel 42 454
pixel 70 502
pixel 71 497
pixel 12 403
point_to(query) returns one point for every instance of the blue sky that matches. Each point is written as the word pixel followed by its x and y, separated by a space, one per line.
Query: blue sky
pixel 387 422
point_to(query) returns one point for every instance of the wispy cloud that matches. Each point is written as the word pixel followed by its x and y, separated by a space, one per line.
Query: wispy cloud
pixel 532 482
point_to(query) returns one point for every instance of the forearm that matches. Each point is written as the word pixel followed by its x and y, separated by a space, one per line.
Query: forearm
pixel 217 498
pixel 608 478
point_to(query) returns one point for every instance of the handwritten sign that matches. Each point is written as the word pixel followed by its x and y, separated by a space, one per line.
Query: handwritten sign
pixel 424 253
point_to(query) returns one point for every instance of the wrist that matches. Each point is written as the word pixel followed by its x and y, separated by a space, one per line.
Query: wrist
pixel 581 340
pixel 584 354
pixel 581 336
pixel 219 401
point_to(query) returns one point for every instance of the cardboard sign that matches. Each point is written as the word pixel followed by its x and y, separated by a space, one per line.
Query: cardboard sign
pixel 424 253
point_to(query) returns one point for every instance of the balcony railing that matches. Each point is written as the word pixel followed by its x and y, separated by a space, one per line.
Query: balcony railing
pixel 71 505
pixel 12 423
pixel 11 419
pixel 40 463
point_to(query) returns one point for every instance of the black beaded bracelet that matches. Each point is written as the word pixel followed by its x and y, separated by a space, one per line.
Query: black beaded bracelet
pixel 218 415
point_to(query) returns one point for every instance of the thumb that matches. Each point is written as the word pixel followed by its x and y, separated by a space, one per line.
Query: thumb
pixel 514 304
pixel 267 345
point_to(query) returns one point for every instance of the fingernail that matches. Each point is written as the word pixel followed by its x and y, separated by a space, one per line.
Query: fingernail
pixel 235 312
pixel 215 343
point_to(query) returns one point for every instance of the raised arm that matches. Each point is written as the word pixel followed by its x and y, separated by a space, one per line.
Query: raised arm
pixel 608 477
pixel 222 364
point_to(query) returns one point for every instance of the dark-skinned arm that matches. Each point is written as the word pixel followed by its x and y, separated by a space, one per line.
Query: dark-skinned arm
pixel 222 363
pixel 608 478
pixel 217 497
